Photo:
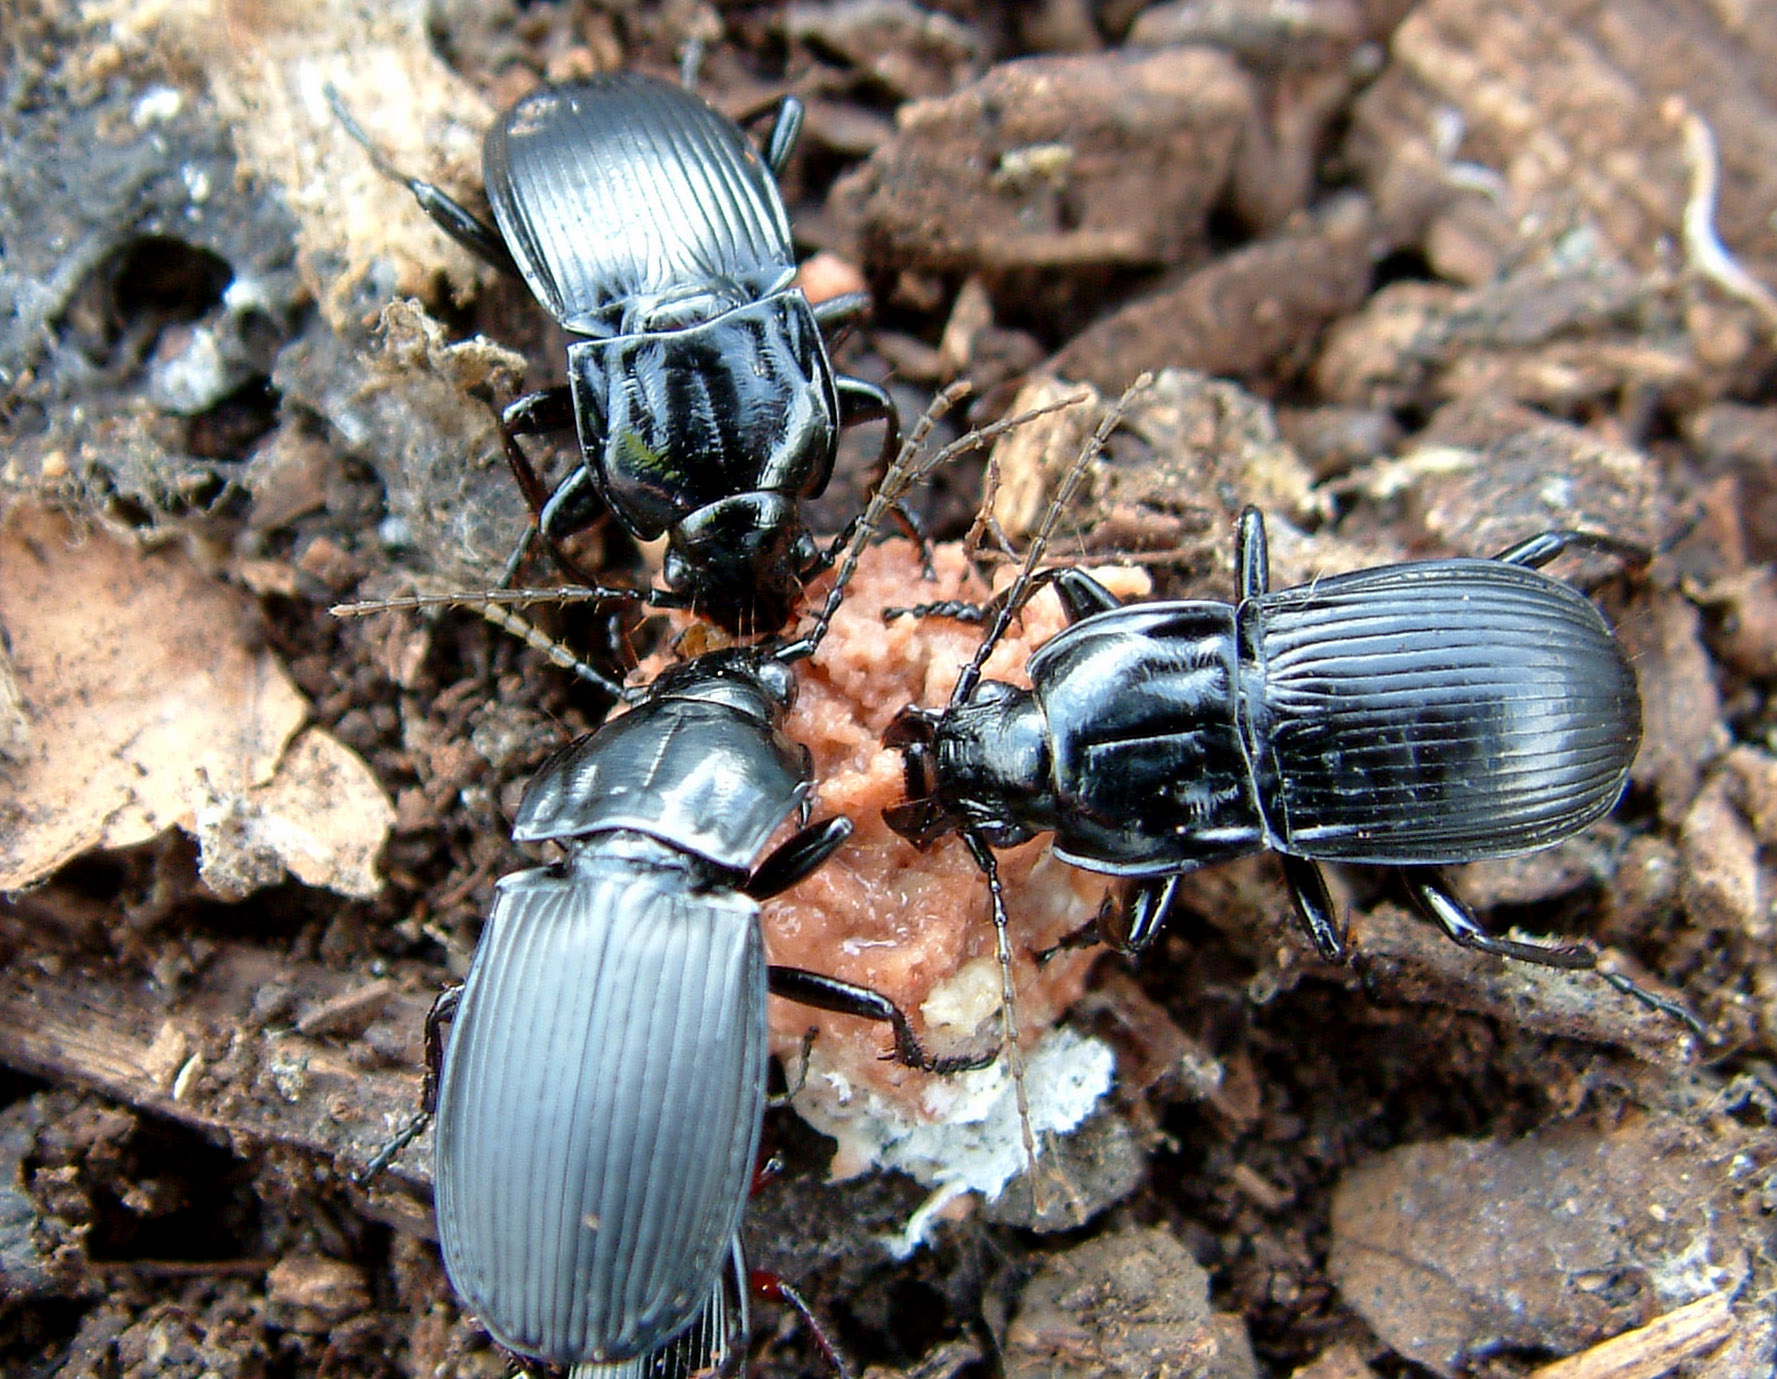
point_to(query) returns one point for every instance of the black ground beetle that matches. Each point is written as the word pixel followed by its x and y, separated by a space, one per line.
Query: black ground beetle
pixel 603 1082
pixel 699 383
pixel 1409 716
pixel 598 1080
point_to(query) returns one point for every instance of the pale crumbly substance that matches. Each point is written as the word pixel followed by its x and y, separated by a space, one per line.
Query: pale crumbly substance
pixel 915 926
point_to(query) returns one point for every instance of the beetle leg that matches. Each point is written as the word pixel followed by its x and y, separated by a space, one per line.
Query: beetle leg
pixel 534 414
pixel 1537 551
pixel 1129 921
pixel 796 858
pixel 773 1288
pixel 1445 908
pixel 1252 555
pixel 462 225
pixel 787 114
pixel 1319 916
pixel 955 609
pixel 790 1092
pixel 1081 595
pixel 861 402
pixel 1617 981
pixel 1086 936
pixel 844 998
pixel 1436 899
pixel 540 413
pixel 392 1150
pixel 786 129
pixel 840 310
pixel 915 531
pixel 443 1011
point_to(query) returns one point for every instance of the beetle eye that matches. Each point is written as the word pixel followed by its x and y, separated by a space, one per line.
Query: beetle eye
pixel 676 571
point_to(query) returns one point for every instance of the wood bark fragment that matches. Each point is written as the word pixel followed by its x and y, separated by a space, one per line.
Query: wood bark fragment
pixel 1652 1350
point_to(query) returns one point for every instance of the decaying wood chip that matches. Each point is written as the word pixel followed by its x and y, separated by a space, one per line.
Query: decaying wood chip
pixel 1652 1350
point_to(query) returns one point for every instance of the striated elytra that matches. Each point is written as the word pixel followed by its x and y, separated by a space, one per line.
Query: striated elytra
pixel 699 383
pixel 600 1089
pixel 1409 716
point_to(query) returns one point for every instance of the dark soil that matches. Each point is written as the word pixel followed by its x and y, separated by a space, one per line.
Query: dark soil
pixel 1427 279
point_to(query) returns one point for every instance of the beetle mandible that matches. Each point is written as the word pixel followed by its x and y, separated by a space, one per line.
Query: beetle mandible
pixel 699 384
pixel 1409 716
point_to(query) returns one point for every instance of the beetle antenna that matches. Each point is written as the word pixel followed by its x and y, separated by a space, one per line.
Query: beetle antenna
pixel 1009 1024
pixel 691 61
pixel 505 597
pixel 1020 588
pixel 492 604
pixel 1002 942
pixel 908 470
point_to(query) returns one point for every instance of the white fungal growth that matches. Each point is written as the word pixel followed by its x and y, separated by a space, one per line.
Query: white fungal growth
pixel 965 1137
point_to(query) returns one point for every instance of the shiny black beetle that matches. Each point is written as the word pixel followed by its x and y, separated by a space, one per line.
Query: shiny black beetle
pixel 598 1080
pixel 603 1083
pixel 1409 716
pixel 698 381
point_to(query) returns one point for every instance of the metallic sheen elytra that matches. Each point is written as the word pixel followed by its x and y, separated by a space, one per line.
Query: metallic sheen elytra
pixel 699 384
pixel 1410 716
pixel 598 1081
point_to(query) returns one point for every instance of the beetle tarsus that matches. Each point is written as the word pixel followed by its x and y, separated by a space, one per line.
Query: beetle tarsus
pixel 1088 935
pixel 791 1091
pixel 822 992
pixel 462 225
pixel 1659 1004
pixel 957 610
pixel 775 1289
pixel 1315 909
pixel 380 1161
pixel 1537 551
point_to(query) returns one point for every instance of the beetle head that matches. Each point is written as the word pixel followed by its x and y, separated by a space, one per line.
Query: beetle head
pixel 921 818
pixel 742 560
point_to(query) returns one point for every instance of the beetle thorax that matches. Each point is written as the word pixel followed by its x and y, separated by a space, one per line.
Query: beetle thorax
pixel 993 765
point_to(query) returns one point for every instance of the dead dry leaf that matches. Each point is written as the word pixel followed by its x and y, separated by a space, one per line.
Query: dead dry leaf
pixel 149 707
pixel 322 818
